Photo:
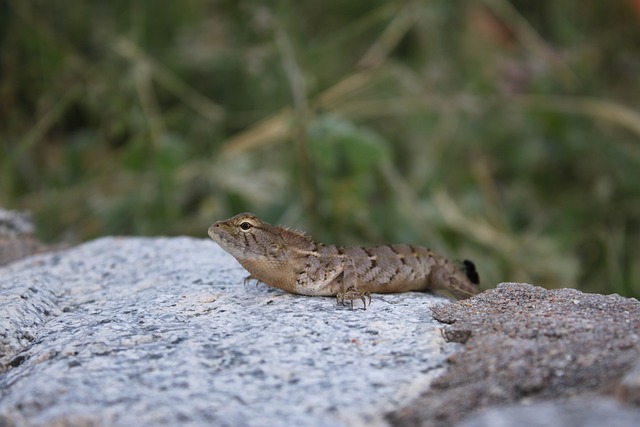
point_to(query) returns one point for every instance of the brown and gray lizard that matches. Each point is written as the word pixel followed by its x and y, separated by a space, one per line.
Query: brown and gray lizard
pixel 290 260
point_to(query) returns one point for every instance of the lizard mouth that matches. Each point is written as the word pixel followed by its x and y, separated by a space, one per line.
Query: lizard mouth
pixel 222 238
pixel 212 233
pixel 216 234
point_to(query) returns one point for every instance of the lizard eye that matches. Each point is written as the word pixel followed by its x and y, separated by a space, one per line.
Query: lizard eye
pixel 245 226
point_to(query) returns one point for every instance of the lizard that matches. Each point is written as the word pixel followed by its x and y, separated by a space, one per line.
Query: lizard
pixel 290 260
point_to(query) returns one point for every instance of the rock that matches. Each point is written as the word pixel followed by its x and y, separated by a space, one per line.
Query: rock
pixel 629 388
pixel 17 238
pixel 135 331
pixel 15 224
pixel 526 344
pixel 579 412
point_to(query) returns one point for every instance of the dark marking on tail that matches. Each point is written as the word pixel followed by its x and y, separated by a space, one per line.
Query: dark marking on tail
pixel 470 270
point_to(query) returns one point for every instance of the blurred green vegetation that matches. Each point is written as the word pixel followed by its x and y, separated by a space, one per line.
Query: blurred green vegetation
pixel 503 132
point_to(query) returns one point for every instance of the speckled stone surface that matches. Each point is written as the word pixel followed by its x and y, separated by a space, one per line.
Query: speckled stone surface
pixel 135 331
pixel 577 412
pixel 17 237
pixel 526 344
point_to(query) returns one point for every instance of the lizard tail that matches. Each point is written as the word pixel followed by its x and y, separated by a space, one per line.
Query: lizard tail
pixel 460 282
pixel 463 292
pixel 469 269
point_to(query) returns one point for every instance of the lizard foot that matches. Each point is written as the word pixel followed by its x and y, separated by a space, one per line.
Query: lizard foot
pixel 249 278
pixel 351 295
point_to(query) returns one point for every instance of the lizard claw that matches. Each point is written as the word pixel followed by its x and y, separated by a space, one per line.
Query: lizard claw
pixel 248 279
pixel 352 295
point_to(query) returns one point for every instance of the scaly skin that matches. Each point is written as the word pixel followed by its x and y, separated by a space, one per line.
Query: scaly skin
pixel 291 261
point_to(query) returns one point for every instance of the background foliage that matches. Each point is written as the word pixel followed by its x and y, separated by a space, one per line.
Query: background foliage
pixel 504 132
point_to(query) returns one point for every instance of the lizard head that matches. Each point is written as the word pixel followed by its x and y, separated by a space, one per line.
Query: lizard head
pixel 245 236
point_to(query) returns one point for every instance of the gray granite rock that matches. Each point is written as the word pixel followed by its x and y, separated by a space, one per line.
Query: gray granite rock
pixel 578 412
pixel 135 331
pixel 17 238
pixel 629 388
pixel 15 223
